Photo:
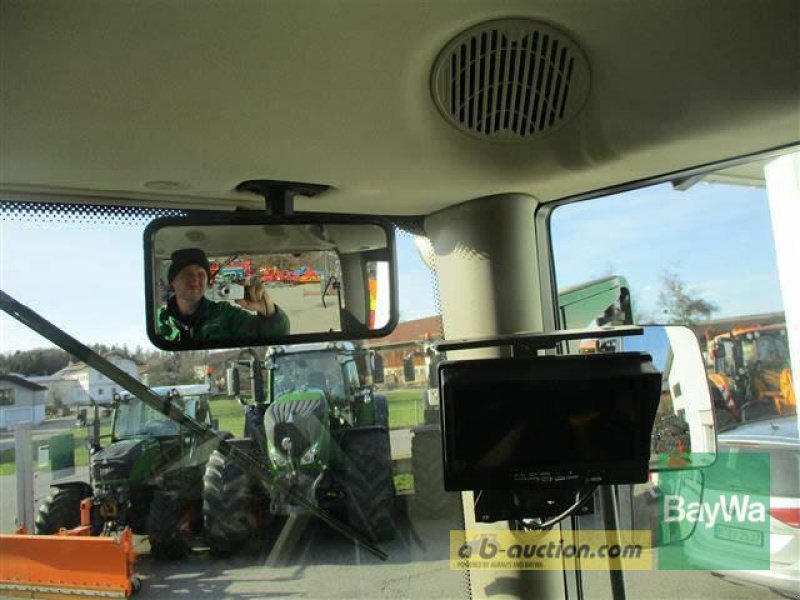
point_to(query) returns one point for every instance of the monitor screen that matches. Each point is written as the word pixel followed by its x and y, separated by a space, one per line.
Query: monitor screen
pixel 547 421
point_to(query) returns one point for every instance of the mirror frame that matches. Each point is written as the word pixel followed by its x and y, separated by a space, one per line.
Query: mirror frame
pixel 222 219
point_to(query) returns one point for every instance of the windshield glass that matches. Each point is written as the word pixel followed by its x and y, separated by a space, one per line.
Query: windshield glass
pixel 133 418
pixel 401 498
pixel 772 349
pixel 728 360
pixel 320 370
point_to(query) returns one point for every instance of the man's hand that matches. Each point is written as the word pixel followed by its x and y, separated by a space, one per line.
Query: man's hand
pixel 257 298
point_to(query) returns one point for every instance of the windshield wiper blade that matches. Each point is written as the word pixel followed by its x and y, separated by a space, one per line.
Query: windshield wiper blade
pixel 248 464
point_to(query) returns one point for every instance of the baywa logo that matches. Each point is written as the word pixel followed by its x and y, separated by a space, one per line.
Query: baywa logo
pixel 733 508
pixel 714 518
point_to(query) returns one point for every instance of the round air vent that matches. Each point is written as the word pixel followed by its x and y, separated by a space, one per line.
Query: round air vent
pixel 510 79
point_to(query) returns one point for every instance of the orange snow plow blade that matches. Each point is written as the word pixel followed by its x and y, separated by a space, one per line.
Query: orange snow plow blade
pixel 68 565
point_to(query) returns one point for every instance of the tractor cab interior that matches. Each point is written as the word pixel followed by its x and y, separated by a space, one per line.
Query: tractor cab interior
pixel 354 186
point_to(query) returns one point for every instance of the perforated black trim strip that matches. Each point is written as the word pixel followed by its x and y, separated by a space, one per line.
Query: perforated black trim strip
pixel 51 212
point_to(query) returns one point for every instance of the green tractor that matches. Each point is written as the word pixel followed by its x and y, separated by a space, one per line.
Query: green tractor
pixel 149 478
pixel 322 433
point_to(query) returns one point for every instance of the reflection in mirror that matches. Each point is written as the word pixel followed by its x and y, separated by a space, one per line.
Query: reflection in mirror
pixel 306 286
pixel 749 374
pixel 684 435
pixel 215 285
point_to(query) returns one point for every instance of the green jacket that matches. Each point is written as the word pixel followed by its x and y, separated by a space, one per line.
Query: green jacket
pixel 219 322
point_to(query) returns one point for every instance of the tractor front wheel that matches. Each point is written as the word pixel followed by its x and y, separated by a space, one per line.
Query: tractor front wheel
pixel 163 527
pixel 62 508
pixel 430 500
pixel 230 508
pixel 369 482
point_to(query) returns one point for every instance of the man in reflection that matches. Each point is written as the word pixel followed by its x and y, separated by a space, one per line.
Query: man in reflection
pixel 191 317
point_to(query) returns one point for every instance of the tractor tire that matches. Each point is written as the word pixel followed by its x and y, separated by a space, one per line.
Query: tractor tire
pixel 430 501
pixel 163 527
pixel 62 508
pixel 369 482
pixel 230 506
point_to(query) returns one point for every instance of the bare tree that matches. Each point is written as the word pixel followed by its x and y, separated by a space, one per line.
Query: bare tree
pixel 681 305
pixel 608 271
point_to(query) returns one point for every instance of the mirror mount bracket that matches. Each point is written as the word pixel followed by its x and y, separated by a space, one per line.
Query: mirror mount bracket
pixel 279 195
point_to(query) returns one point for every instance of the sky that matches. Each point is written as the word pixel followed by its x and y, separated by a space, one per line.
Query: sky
pixel 716 238
pixel 89 279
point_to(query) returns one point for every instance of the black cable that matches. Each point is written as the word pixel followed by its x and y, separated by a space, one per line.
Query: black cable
pixel 579 501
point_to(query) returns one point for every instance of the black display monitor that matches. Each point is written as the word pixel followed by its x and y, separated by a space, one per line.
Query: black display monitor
pixel 547 421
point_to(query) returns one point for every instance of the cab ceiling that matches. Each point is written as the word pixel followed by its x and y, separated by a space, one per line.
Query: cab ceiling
pixel 175 103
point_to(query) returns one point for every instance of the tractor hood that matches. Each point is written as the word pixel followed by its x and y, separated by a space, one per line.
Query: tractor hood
pixel 125 460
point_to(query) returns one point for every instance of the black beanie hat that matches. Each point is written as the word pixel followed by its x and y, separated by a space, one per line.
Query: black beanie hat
pixel 184 258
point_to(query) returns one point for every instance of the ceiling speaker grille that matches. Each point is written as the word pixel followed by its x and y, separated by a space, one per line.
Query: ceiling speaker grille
pixel 511 79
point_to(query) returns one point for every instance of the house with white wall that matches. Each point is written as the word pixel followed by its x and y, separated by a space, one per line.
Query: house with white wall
pixel 93 385
pixel 686 376
pixel 60 391
pixel 20 400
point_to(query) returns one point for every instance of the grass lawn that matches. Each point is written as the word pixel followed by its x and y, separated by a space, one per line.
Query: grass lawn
pixel 405 410
pixel 230 414
pixel 7 457
pixel 406 407
pixel 403 482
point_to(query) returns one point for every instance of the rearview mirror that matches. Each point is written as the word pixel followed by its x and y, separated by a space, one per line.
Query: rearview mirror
pixel 229 280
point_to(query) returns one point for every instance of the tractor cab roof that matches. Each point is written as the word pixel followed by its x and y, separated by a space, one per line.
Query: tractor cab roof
pixel 740 331
pixel 315 347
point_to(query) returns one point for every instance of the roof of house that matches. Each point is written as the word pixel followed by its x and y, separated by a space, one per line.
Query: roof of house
pixel 80 366
pixel 718 326
pixel 40 379
pixel 22 382
pixel 427 328
pixel 71 367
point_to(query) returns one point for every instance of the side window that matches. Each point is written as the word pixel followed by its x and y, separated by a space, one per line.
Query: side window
pixel 665 255
pixel 727 364
pixel 6 397
pixel 352 379
pixel 699 254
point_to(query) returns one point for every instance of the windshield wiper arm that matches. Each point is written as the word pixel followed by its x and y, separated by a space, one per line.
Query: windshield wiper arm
pixel 62 339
